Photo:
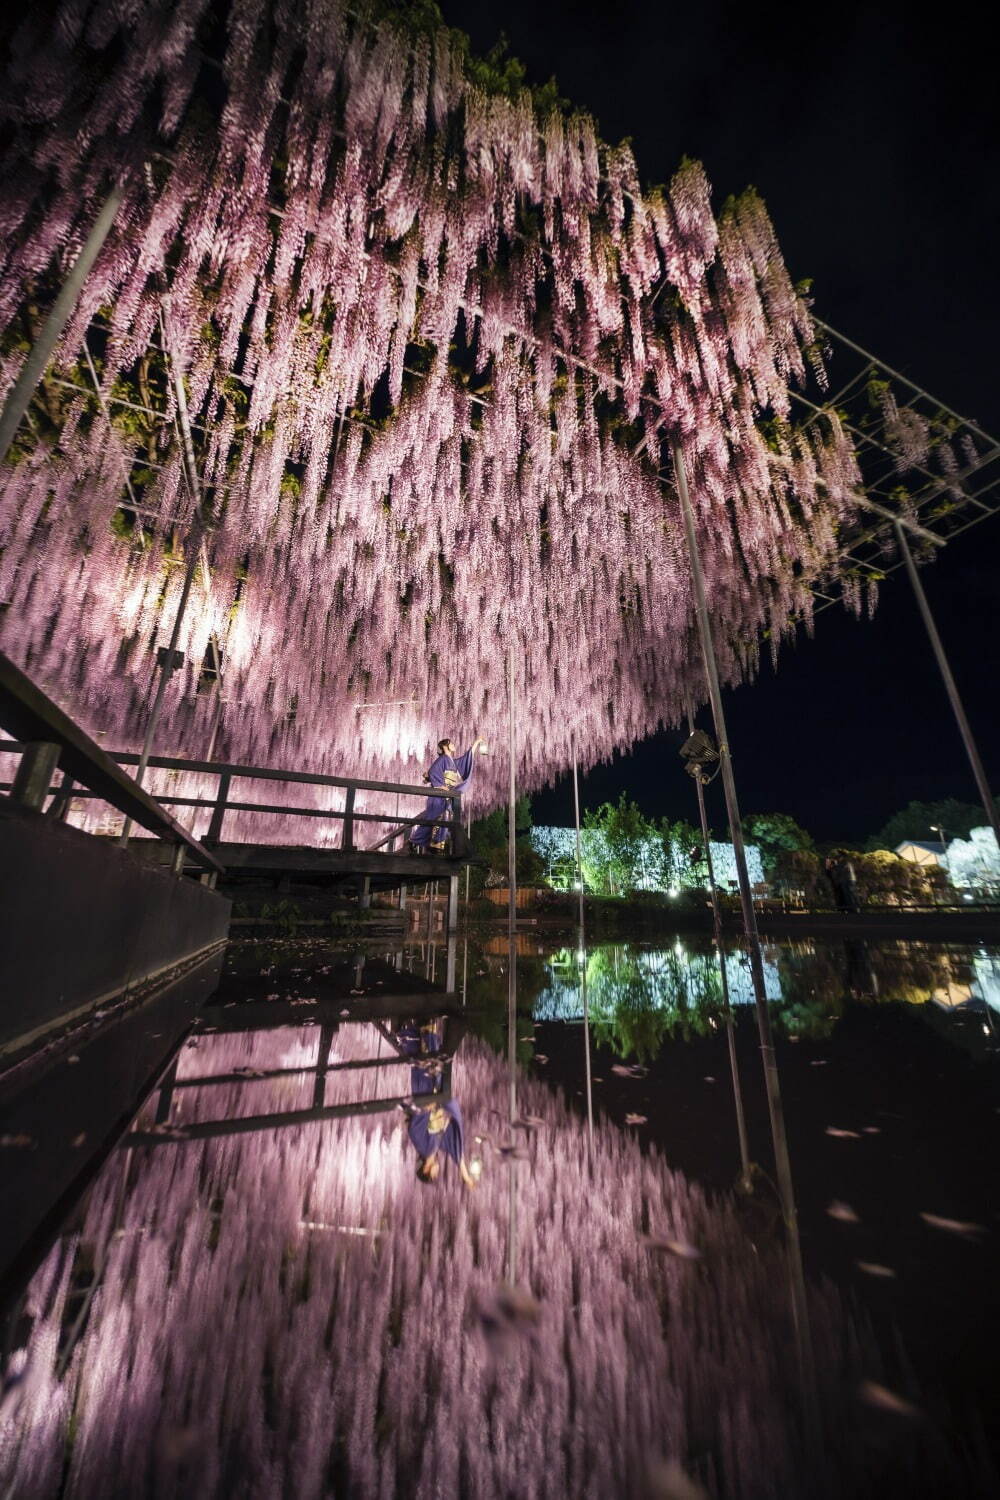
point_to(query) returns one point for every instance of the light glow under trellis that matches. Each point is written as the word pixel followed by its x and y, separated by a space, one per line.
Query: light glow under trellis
pixel 436 344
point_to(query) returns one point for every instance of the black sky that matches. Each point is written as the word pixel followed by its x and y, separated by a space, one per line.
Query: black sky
pixel 872 133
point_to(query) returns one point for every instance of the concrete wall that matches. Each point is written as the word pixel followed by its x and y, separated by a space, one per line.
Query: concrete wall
pixel 82 922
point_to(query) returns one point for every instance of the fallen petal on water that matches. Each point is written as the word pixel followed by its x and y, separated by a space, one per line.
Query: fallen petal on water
pixel 843 1135
pixel 844 1212
pixel 668 1481
pixel 680 1248
pixel 883 1399
pixel 953 1226
pixel 872 1268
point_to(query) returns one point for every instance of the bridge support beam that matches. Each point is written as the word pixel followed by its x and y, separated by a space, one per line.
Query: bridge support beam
pixel 35 771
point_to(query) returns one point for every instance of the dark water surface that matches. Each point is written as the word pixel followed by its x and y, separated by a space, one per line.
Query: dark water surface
pixel 252 1292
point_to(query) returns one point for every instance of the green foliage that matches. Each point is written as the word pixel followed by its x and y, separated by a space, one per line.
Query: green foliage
pixel 883 879
pixel 488 838
pixel 921 820
pixel 496 73
pixel 774 833
pixel 684 859
pixel 801 870
pixel 612 861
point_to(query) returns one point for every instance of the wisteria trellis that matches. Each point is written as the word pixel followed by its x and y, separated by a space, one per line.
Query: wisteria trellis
pixel 436 342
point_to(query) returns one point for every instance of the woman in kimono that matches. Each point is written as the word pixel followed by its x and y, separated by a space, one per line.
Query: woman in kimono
pixel 453 773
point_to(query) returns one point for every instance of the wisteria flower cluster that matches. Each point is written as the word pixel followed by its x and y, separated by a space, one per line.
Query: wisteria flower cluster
pixel 437 344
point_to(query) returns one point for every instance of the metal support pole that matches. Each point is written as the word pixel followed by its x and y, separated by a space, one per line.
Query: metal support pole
pixel 746 1175
pixel 402 898
pixel 34 774
pixel 41 351
pixel 166 672
pixel 772 1083
pixel 582 948
pixel 177 863
pixel 957 708
pixel 365 893
pixel 195 553
pixel 511 963
pixel 451 958
pixel 468 868
pixel 452 920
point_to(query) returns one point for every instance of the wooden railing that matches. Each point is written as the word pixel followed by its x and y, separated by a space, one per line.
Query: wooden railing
pixel 47 740
pixel 223 802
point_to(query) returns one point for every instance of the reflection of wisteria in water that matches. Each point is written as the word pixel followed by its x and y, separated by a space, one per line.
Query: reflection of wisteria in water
pixel 679 981
pixel 232 1349
pixel 638 997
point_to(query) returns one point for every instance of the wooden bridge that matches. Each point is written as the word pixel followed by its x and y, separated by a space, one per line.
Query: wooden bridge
pixel 60 766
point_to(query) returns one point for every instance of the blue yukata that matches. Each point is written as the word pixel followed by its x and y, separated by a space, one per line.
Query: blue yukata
pixel 455 773
pixel 450 1140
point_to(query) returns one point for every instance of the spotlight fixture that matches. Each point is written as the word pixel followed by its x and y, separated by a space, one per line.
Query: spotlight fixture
pixel 698 752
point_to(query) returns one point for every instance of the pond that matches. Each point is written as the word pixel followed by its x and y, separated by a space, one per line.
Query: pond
pixel 264 1289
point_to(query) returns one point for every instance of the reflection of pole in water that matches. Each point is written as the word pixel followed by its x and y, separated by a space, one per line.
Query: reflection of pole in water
pixel 582 947
pixel 511 969
pixel 772 1084
pixel 746 1177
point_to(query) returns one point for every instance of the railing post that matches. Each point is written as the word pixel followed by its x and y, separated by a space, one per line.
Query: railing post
pixel 347 841
pixel 452 919
pixel 58 808
pixel 459 842
pixel 219 811
pixel 37 767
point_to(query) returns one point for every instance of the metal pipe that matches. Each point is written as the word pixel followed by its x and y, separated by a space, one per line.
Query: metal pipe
pixel 511 963
pixel 195 539
pixel 42 349
pixel 951 688
pixel 166 673
pixel 939 406
pixel 582 948
pixel 746 1174
pixel 772 1083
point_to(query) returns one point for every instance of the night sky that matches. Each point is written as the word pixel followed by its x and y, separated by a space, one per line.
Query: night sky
pixel 872 134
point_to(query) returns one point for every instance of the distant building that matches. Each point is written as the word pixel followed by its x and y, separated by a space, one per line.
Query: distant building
pixel 920 853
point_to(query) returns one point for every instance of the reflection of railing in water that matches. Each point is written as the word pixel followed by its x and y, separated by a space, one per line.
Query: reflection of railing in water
pixel 320 1070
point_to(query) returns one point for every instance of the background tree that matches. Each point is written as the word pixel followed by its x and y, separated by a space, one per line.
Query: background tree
pixel 488 837
pixel 618 851
pixel 921 820
pixel 683 854
pixel 775 833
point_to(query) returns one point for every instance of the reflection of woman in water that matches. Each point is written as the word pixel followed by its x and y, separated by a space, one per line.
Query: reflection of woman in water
pixel 452 773
pixel 435 1125
pixel 436 1129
